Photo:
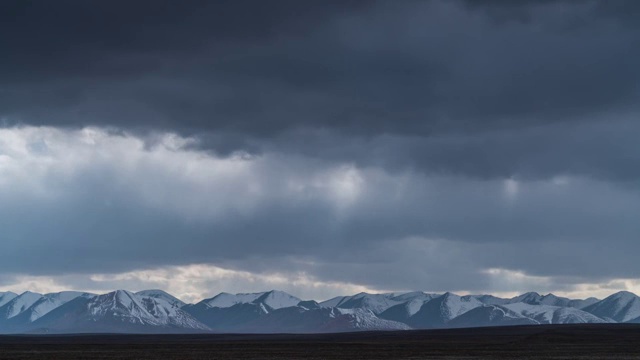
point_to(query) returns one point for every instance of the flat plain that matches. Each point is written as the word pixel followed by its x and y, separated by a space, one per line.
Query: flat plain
pixel 526 342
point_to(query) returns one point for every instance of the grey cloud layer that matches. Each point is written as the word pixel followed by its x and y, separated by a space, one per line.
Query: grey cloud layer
pixel 91 201
pixel 346 139
pixel 243 73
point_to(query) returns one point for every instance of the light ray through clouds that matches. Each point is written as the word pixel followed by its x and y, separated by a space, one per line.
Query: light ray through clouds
pixel 467 146
pixel 72 191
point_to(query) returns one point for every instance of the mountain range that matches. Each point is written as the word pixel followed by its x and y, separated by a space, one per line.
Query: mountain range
pixel 156 311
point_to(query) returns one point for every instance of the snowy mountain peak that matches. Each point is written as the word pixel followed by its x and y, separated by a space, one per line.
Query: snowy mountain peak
pixel 411 295
pixel 5 297
pixel 361 319
pixel 309 304
pixel 623 295
pixel 377 303
pixel 622 306
pixel 225 300
pixel 122 296
pixel 490 315
pixel 47 303
pixel 18 304
pixel 413 306
pixel 277 311
pixel 402 312
pixel 119 310
pixel 453 305
pixel 527 298
pixel 160 294
pixel 414 297
pixel 275 299
pixel 533 298
pixel 548 314
pixel 439 311
pixel 116 300
pixel 488 299
pixel 333 302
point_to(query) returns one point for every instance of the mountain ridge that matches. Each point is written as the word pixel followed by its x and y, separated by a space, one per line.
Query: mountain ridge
pixel 275 311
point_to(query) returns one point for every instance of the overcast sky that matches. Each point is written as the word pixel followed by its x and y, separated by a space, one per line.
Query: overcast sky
pixel 320 147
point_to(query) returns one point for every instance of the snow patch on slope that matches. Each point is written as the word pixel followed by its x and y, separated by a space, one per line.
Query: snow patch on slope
pixel 621 307
pixel 438 312
pixel 49 302
pixel 159 294
pixel 118 311
pixel 547 314
pixel 5 297
pixel 18 304
pixel 364 320
pixel 377 303
pixel 490 315
pixel 225 300
pixel 277 300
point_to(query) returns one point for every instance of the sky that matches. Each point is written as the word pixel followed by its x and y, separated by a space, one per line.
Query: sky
pixel 320 147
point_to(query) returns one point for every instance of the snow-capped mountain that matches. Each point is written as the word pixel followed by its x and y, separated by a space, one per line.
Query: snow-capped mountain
pixel 18 304
pixel 377 303
pixel 582 303
pixel 488 299
pixel 160 294
pixel 118 311
pixel 402 312
pixel 156 311
pixel 533 298
pixel 45 304
pixel 360 320
pixel 621 307
pixel 414 296
pixel 438 312
pixel 547 314
pixel 226 319
pixel 309 304
pixel 5 297
pixel 15 306
pixel 225 300
pixel 227 312
pixel 490 315
pixel 333 302
pixel 272 299
pixel 299 319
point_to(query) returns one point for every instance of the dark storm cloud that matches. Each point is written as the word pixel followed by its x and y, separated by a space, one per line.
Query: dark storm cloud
pixel 603 148
pixel 239 72
pixel 384 142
